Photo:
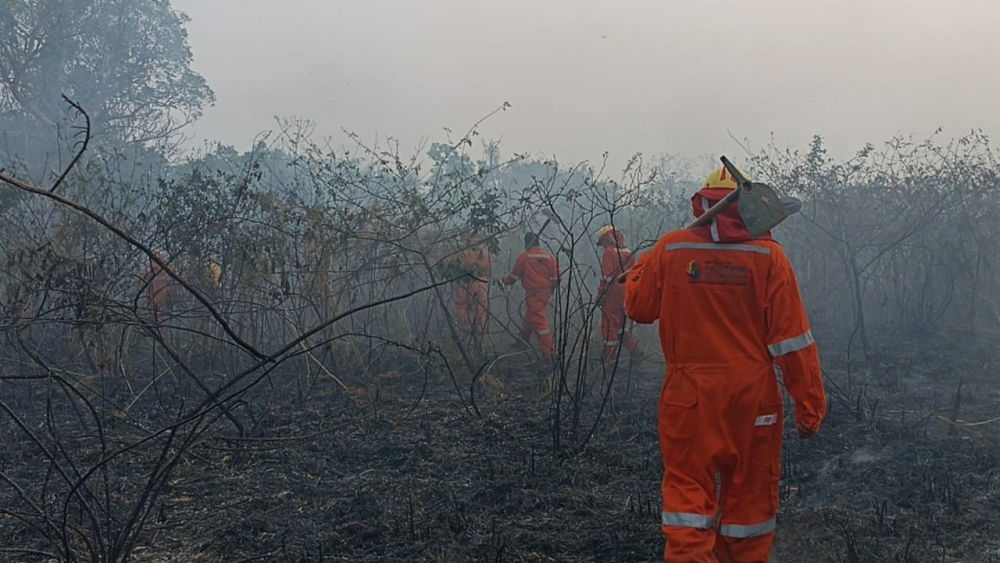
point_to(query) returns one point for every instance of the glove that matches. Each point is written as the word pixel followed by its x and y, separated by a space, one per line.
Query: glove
pixel 509 280
pixel 804 430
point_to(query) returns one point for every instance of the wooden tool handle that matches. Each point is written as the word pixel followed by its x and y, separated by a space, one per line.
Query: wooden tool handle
pixel 714 211
pixel 705 219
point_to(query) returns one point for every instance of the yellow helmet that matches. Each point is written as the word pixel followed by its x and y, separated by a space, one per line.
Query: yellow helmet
pixel 213 273
pixel 721 178
pixel 603 231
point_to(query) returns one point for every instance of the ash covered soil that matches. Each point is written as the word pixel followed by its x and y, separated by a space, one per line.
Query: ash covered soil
pixel 403 470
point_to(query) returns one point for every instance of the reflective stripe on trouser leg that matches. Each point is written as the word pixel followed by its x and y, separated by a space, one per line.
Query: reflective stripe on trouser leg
pixel 688 520
pixel 746 533
pixel 690 537
pixel 741 531
pixel 689 492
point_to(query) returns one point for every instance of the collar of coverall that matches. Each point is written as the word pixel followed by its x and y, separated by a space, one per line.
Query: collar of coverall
pixel 728 224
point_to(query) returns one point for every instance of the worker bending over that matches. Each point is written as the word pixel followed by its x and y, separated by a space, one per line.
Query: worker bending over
pixel 729 308
pixel 539 274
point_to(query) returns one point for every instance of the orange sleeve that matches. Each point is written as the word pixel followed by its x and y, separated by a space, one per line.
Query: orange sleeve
pixel 791 344
pixel 518 271
pixel 644 288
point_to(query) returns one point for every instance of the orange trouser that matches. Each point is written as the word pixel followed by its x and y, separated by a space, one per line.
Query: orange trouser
pixel 612 321
pixel 535 320
pixel 470 306
pixel 725 421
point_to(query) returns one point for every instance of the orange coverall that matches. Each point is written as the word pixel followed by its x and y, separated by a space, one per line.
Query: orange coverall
pixel 539 274
pixel 160 287
pixel 729 308
pixel 617 258
pixel 471 297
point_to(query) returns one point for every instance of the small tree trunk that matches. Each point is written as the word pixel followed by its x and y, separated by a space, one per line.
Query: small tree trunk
pixel 859 308
pixel 955 407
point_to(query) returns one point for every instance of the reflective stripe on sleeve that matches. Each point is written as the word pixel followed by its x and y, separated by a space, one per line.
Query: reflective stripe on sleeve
pixel 610 343
pixel 544 332
pixel 688 520
pixel 751 531
pixel 792 344
pixel 539 256
pixel 610 279
pixel 717 246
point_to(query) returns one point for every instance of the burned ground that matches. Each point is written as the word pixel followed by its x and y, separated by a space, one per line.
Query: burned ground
pixel 402 470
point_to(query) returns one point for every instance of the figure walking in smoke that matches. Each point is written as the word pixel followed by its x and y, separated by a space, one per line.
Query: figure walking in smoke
pixel 472 295
pixel 539 273
pixel 617 258
pixel 729 309
pixel 159 288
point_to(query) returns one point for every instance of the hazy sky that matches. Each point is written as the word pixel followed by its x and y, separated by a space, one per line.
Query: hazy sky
pixel 588 76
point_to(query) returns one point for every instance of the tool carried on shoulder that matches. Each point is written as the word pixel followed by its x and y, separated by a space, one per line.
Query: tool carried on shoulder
pixel 549 215
pixel 761 208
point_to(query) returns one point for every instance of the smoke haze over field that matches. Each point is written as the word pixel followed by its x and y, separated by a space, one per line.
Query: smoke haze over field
pixel 237 352
pixel 589 76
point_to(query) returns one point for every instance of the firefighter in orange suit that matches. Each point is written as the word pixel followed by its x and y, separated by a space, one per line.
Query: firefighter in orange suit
pixel 159 287
pixel 729 309
pixel 471 296
pixel 617 258
pixel 539 274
